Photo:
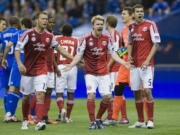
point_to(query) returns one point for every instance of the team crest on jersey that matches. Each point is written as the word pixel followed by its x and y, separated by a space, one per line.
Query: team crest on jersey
pixel 33 39
pixel 145 29
pixel 104 43
pixel 47 40
pixel 91 43
pixel 33 34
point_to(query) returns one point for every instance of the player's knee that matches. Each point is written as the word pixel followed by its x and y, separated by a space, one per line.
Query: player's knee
pixel 58 95
pixel 48 92
pixel 70 95
pixel 148 94
pixel 91 96
pixel 137 95
pixel 26 98
pixel 107 98
pixel 12 89
pixel 40 96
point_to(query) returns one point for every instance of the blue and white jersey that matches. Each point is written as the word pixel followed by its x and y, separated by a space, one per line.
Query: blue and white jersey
pixel 15 75
pixel 6 36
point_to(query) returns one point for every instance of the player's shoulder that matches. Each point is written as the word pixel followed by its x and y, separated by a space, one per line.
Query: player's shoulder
pixel 49 33
pixel 149 22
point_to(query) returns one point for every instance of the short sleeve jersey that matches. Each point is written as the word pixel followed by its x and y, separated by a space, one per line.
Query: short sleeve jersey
pixel 143 36
pixel 70 44
pixel 36 46
pixel 117 42
pixel 95 52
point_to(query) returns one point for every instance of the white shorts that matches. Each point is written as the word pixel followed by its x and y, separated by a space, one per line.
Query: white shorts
pixel 101 82
pixel 141 78
pixel 67 80
pixel 32 84
pixel 51 80
pixel 112 76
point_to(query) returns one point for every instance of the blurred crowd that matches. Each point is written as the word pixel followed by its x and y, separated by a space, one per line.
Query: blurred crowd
pixel 77 12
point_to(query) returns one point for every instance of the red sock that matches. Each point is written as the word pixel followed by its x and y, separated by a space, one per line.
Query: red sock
pixel 150 106
pixel 60 103
pixel 70 104
pixel 40 110
pixel 32 103
pixel 145 106
pixel 47 103
pixel 117 106
pixel 123 110
pixel 110 110
pixel 139 109
pixel 102 108
pixel 25 109
pixel 91 109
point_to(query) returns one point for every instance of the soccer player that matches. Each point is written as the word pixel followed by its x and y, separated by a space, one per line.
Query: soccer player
pixel 8 56
pixel 51 63
pixel 35 43
pixel 111 23
pixel 15 76
pixel 143 43
pixel 122 79
pixel 67 80
pixel 94 48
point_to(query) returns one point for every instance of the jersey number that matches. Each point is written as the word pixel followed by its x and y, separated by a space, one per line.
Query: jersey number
pixel 11 51
pixel 66 48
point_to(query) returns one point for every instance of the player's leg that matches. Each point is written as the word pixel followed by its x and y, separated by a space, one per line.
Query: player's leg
pixel 71 87
pixel 91 85
pixel 103 86
pixel 47 102
pixel 124 117
pixel 61 83
pixel 13 94
pixel 147 76
pixel 26 89
pixel 136 86
pixel 40 86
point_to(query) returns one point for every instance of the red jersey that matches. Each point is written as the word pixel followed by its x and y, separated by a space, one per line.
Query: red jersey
pixel 117 42
pixel 36 46
pixel 50 60
pixel 143 36
pixel 95 53
pixel 70 45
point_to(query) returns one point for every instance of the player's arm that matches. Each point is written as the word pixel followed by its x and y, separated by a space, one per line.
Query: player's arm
pixel 78 57
pixel 63 52
pixel 20 46
pixel 6 51
pixel 155 37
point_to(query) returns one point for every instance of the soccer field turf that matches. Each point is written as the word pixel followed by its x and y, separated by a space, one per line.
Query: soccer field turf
pixel 167 121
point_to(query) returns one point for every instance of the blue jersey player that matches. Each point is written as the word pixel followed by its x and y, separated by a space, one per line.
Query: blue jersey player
pixel 15 76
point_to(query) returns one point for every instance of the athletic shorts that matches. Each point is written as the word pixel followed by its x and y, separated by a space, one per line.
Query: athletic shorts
pixel 103 84
pixel 32 84
pixel 141 78
pixel 67 80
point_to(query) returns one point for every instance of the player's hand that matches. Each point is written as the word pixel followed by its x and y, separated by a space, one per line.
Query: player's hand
pixel 68 67
pixel 130 59
pixel 145 64
pixel 22 68
pixel 4 63
pixel 128 65
pixel 58 72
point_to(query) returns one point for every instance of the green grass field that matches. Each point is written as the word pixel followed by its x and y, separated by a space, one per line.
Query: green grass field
pixel 167 121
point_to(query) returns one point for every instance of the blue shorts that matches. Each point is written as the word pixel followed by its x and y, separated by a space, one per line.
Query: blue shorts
pixel 15 76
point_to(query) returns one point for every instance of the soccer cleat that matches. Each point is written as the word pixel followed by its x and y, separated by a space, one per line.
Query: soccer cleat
pixel 92 126
pixel 7 117
pixel 58 118
pixel 138 125
pixel 123 122
pixel 14 119
pixel 40 126
pixel 68 120
pixel 63 115
pixel 110 122
pixel 24 125
pixel 99 124
pixel 150 124
pixel 51 122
